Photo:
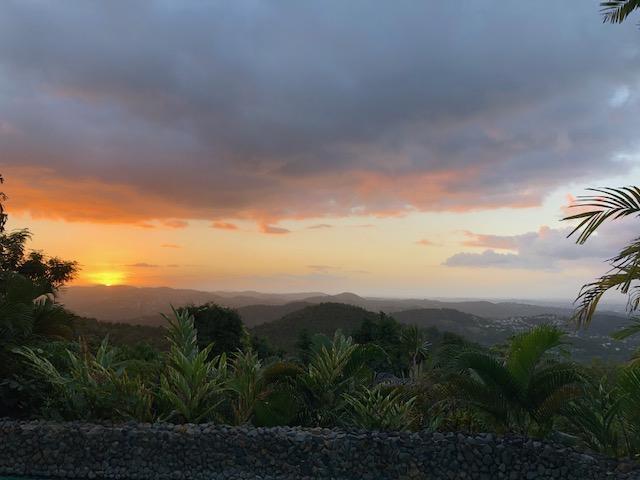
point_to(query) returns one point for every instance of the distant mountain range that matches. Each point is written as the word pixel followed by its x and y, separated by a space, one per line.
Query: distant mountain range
pixel 143 304
pixel 281 317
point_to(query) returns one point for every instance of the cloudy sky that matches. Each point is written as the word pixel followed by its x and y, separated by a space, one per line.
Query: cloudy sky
pixel 401 148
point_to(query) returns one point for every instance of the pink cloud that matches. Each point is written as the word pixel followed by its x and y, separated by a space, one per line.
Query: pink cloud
pixel 425 242
pixel 490 241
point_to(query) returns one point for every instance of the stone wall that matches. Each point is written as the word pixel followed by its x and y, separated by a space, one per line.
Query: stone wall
pixel 161 451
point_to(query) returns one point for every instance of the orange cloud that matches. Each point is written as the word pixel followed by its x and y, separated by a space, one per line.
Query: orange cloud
pixel 170 245
pixel 175 223
pixel 270 229
pixel 224 226
pixel 45 194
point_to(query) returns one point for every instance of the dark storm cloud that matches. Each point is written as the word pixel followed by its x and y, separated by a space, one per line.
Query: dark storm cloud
pixel 271 110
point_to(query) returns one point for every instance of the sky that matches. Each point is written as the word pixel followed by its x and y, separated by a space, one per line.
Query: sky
pixel 387 148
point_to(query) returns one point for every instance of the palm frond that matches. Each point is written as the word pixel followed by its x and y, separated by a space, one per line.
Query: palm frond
pixel 607 203
pixel 490 372
pixel 528 348
pixel 472 391
pixel 616 11
pixel 553 386
pixel 629 391
pixel 629 330
pixel 555 402
pixel 375 409
pixel 591 294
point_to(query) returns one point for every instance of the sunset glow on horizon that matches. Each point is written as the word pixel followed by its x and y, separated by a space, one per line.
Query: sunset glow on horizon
pixel 401 152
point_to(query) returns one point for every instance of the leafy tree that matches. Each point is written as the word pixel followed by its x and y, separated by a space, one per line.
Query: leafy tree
pixel 48 274
pixel 263 347
pixel 218 326
pixel 525 389
pixel 28 283
pixel 384 332
pixel 303 345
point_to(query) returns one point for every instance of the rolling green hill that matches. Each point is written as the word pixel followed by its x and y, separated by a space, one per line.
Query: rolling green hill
pixel 478 329
pixel 253 315
pixel 323 318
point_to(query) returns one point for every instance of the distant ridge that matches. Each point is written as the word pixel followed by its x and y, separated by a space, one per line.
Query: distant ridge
pixel 253 315
pixel 143 304
pixel 281 317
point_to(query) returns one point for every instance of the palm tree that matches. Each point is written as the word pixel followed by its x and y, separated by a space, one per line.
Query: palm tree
pixel 524 389
pixel 414 342
pixel 616 11
pixel 603 205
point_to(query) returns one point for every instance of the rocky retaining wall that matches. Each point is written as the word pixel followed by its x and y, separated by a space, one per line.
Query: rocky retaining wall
pixel 161 451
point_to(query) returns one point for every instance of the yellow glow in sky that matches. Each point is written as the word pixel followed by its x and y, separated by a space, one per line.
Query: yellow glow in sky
pixel 107 278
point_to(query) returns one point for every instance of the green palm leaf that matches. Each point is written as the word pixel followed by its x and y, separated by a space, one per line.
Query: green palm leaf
pixel 608 203
pixel 527 349
pixel 616 11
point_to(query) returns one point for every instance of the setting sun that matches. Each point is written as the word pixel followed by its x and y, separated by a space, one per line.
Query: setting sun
pixel 107 278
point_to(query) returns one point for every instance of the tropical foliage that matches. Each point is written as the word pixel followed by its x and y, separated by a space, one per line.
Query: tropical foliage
pixel 526 388
pixel 192 386
pixel 29 313
pixel 377 409
pixel 616 11
pixel 91 387
pixel 602 205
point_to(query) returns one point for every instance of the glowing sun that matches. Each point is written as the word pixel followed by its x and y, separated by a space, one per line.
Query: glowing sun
pixel 107 278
